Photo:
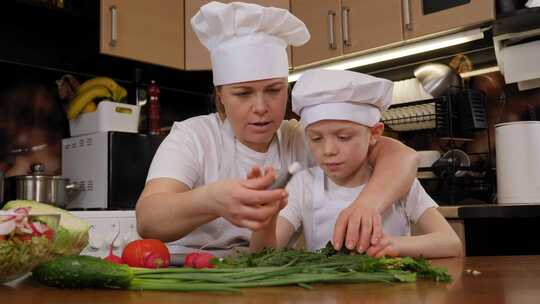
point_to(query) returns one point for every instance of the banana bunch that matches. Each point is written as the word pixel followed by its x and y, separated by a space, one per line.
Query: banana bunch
pixel 90 91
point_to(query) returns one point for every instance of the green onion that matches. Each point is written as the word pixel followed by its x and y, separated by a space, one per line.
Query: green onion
pixel 269 267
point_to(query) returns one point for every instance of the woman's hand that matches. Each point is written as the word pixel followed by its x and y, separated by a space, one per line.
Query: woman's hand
pixel 247 203
pixel 387 246
pixel 256 172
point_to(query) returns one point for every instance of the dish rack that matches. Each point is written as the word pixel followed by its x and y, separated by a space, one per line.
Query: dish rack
pixel 458 114
pixel 454 118
pixel 418 115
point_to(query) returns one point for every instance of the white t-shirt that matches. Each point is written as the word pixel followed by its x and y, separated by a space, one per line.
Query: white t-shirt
pixel 300 210
pixel 202 150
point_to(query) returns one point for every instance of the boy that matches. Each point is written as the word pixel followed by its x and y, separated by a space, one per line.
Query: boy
pixel 340 111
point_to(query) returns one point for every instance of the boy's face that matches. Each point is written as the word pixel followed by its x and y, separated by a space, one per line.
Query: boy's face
pixel 340 148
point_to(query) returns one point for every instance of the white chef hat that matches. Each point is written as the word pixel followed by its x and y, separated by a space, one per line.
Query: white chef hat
pixel 341 95
pixel 247 41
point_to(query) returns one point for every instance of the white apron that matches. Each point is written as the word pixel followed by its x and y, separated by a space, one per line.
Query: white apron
pixel 231 236
pixel 321 221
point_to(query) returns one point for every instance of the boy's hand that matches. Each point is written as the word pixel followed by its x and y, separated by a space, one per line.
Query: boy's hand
pixel 357 227
pixel 386 247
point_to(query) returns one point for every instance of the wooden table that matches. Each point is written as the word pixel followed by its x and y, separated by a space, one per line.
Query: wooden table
pixel 511 279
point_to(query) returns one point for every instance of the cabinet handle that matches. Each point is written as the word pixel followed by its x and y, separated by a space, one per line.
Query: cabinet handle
pixel 345 25
pixel 331 34
pixel 407 15
pixel 114 25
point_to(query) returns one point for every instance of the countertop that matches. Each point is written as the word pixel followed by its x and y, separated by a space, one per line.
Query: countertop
pixel 503 279
pixel 490 211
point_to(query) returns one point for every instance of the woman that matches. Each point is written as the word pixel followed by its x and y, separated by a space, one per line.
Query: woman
pixel 196 189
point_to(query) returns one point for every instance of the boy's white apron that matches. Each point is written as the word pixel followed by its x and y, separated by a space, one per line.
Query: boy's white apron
pixel 320 222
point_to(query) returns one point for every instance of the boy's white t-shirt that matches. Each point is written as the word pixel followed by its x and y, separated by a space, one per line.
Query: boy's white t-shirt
pixel 299 210
pixel 202 150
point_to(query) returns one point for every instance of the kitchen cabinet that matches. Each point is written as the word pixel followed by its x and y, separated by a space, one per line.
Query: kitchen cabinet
pixel 197 56
pixel 346 26
pixel 343 27
pixel 423 17
pixel 493 229
pixel 151 32
pixel 323 22
pixel 370 24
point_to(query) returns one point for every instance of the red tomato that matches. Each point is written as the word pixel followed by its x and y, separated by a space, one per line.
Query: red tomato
pixel 24 237
pixel 49 234
pixel 40 229
pixel 148 253
pixel 2 237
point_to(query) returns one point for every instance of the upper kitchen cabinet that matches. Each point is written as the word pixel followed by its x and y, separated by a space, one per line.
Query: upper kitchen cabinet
pixel 197 56
pixel 146 31
pixel 323 21
pixel 346 26
pixel 343 27
pixel 423 17
pixel 369 24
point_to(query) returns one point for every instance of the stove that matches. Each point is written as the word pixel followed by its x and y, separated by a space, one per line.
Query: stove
pixel 117 228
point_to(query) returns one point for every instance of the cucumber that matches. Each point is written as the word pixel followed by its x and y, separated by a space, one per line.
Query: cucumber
pixel 83 272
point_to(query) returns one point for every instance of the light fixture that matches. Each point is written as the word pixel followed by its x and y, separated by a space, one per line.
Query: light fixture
pixel 399 52
pixel 479 72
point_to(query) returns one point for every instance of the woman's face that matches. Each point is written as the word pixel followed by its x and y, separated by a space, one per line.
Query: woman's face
pixel 255 110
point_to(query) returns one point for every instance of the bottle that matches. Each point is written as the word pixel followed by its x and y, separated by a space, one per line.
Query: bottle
pixel 153 109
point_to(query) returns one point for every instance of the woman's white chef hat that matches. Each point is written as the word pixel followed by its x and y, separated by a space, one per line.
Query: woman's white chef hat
pixel 341 95
pixel 247 41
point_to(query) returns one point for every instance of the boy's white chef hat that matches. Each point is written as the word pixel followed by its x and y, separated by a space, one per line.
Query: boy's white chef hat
pixel 247 41
pixel 341 95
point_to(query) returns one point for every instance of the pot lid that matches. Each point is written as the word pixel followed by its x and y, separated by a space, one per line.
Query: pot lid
pixel 38 169
pixel 39 177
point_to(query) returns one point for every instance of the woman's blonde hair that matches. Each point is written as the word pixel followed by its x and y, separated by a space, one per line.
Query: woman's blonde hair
pixel 220 109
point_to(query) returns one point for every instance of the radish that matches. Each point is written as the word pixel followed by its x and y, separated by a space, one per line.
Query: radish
pixel 112 257
pixel 203 261
pixel 199 260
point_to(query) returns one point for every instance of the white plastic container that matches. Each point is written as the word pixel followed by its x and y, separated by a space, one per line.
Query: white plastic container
pixel 518 162
pixel 109 116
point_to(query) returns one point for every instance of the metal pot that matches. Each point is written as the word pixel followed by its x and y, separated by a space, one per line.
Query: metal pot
pixel 54 190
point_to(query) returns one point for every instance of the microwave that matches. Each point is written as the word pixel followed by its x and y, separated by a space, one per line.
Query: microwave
pixel 109 168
